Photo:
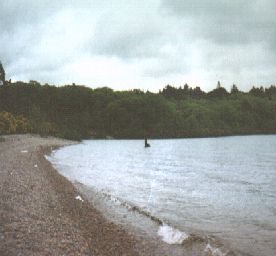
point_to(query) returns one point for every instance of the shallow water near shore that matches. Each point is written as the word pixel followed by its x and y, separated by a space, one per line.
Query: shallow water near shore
pixel 214 189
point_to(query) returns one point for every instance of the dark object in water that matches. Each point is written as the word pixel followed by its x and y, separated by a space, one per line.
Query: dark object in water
pixel 147 145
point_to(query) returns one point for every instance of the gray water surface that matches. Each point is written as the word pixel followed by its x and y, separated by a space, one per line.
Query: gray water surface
pixel 225 187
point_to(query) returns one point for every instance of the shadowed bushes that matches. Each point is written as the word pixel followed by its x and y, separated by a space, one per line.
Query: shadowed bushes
pixel 10 124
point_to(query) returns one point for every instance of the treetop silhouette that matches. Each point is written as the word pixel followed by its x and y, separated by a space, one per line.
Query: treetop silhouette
pixel 2 75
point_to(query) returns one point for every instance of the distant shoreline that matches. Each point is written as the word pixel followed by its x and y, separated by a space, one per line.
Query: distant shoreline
pixel 181 138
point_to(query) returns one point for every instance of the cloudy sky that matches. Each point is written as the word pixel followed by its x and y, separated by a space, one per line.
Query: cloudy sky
pixel 127 44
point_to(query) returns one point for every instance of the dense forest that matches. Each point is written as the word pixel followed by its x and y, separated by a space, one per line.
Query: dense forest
pixel 79 112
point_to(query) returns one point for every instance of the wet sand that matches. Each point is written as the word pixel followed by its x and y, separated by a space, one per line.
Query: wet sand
pixel 39 212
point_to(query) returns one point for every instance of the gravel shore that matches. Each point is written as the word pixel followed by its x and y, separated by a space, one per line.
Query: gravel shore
pixel 39 212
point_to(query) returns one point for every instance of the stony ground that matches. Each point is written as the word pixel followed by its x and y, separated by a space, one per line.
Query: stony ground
pixel 39 212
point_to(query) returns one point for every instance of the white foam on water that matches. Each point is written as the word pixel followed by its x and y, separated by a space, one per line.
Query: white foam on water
pixel 171 235
pixel 214 251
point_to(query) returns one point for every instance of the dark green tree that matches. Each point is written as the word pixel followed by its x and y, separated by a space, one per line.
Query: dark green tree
pixel 78 112
pixel 2 75
pixel 234 89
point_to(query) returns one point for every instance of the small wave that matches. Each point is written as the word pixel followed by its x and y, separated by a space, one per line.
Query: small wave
pixel 132 207
pixel 214 251
pixel 209 246
pixel 201 244
pixel 171 235
pixel 229 180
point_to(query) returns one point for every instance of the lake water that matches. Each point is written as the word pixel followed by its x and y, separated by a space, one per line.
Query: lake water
pixel 216 187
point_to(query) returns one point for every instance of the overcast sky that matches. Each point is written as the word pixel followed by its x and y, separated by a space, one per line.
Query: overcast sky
pixel 127 44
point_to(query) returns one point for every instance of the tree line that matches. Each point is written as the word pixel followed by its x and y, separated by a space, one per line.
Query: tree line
pixel 187 92
pixel 79 112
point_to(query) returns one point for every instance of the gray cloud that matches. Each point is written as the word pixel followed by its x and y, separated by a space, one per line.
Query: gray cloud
pixel 22 13
pixel 130 32
pixel 228 22
pixel 149 43
pixel 126 42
